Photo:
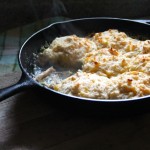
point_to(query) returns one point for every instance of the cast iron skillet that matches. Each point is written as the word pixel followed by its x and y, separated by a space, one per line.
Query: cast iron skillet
pixel 80 27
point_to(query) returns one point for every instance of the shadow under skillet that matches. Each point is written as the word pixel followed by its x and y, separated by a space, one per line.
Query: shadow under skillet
pixel 37 122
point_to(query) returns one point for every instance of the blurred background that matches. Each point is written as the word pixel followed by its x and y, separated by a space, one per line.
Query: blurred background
pixel 15 13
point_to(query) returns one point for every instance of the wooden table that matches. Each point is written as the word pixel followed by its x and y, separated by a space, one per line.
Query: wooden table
pixel 29 122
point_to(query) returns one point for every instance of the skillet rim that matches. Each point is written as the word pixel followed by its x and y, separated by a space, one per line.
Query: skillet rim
pixel 72 96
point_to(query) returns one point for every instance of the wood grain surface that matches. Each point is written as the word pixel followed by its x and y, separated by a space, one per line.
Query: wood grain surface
pixel 29 122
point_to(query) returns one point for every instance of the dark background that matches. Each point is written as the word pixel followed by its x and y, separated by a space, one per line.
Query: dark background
pixel 15 13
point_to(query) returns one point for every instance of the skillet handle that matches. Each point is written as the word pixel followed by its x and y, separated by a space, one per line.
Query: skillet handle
pixel 22 84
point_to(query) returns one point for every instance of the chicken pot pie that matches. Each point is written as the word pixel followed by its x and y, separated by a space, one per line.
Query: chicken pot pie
pixel 109 65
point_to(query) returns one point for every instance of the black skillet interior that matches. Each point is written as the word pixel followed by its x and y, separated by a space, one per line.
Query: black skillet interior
pixel 83 27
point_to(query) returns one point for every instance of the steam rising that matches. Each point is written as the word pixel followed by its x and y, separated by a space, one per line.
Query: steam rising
pixel 58 8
